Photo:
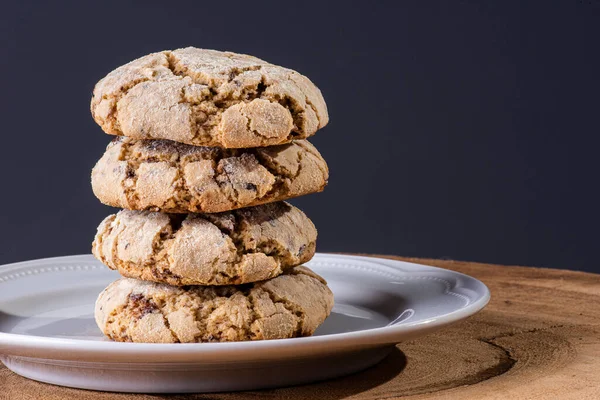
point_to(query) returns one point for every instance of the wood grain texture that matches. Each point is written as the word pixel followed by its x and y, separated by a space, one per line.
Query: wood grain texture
pixel 539 338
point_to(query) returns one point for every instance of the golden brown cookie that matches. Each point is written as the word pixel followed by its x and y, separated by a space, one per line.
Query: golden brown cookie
pixel 290 305
pixel 208 98
pixel 162 175
pixel 230 248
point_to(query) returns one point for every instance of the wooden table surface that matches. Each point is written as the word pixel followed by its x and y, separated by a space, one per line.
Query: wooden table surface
pixel 539 338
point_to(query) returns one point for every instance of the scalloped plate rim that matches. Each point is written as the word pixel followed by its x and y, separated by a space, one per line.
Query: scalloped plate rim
pixel 18 345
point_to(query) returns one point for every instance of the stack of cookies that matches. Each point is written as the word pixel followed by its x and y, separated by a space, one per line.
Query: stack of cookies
pixel 209 145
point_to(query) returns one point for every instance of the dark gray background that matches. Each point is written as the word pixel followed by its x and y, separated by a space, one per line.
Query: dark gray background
pixel 464 130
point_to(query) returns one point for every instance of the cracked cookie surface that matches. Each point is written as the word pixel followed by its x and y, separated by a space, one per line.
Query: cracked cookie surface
pixel 231 248
pixel 162 175
pixel 208 98
pixel 291 305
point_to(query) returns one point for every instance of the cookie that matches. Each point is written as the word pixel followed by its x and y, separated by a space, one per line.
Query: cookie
pixel 291 305
pixel 208 98
pixel 230 248
pixel 162 175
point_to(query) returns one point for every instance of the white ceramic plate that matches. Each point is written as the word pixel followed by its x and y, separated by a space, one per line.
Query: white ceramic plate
pixel 48 333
